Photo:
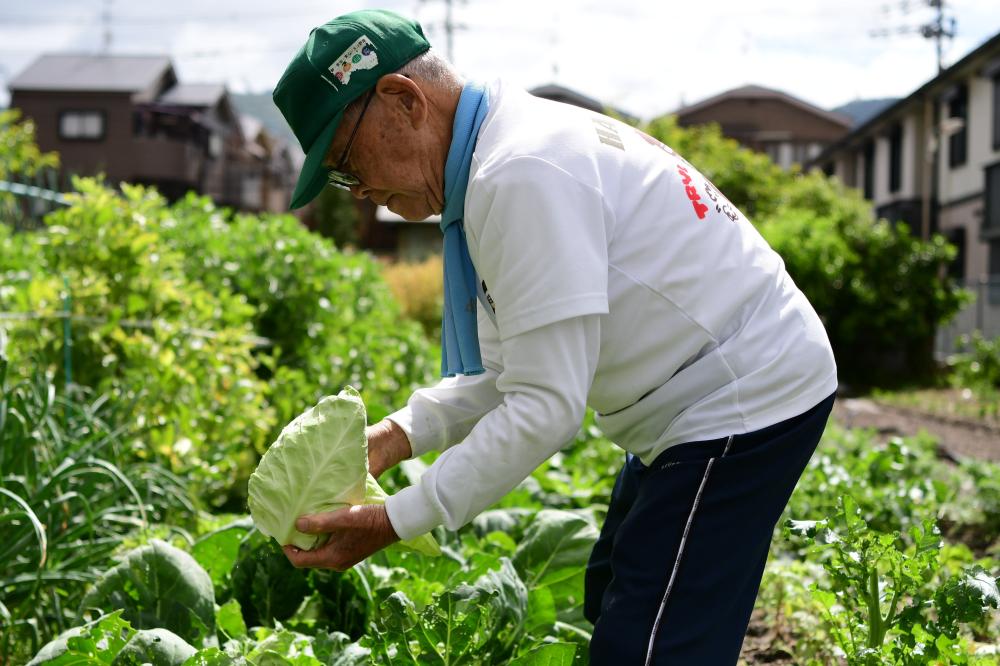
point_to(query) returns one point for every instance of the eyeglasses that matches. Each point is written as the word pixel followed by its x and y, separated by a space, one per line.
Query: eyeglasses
pixel 337 177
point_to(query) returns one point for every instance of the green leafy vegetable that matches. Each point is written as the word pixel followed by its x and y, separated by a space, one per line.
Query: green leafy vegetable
pixel 553 556
pixel 158 647
pixel 229 618
pixel 550 654
pixel 265 583
pixel 218 551
pixel 99 641
pixel 319 463
pixel 158 586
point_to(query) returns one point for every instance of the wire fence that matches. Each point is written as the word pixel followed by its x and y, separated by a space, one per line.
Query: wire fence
pixel 26 200
pixel 68 319
pixel 143 324
pixel 982 315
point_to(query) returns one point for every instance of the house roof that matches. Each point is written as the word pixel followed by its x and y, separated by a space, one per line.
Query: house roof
pixel 861 130
pixel 760 92
pixel 92 73
pixel 564 94
pixel 559 93
pixel 861 110
pixel 193 94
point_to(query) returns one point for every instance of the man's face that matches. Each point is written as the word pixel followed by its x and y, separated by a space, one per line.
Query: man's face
pixel 392 152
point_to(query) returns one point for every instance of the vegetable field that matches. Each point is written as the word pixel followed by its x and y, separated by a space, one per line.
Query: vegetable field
pixel 887 557
pixel 151 352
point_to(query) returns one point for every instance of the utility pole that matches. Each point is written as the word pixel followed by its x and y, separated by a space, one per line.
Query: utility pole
pixel 939 28
pixel 936 29
pixel 106 24
pixel 449 26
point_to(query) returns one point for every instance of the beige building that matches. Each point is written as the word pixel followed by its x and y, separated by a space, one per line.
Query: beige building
pixel 932 160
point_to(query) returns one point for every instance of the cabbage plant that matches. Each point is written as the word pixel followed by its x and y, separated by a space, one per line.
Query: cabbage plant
pixel 319 463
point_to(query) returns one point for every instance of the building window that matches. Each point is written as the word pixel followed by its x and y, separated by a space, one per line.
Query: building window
pixel 996 112
pixel 895 157
pixel 870 171
pixel 81 125
pixel 773 150
pixel 958 110
pixel 957 268
pixel 993 284
pixel 800 153
pixel 991 216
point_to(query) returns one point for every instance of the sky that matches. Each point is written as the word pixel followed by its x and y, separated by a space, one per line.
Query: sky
pixel 645 57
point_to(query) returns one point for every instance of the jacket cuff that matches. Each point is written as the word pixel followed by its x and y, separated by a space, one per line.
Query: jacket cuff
pixel 422 436
pixel 411 513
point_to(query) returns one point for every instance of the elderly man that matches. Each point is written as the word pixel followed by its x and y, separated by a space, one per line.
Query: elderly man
pixel 585 264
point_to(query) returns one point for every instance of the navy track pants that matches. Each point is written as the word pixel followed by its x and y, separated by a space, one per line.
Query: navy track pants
pixel 673 577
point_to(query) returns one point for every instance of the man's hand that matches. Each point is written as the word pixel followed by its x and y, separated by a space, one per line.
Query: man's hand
pixel 387 446
pixel 355 533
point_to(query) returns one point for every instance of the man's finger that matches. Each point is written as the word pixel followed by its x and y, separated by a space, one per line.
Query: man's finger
pixel 305 558
pixel 322 522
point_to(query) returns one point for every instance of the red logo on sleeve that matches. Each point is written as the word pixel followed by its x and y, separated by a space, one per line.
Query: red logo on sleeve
pixel 700 208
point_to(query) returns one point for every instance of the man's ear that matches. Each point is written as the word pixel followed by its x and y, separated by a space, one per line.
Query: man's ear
pixel 404 96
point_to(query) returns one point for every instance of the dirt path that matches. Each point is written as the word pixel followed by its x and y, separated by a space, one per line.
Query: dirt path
pixel 958 437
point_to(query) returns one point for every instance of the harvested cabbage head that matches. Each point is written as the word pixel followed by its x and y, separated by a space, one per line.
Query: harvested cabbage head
pixel 319 463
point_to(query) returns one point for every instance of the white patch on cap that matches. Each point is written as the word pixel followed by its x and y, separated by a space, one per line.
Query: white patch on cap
pixel 361 55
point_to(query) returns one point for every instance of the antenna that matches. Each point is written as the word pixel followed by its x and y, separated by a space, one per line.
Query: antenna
pixel 449 26
pixel 939 28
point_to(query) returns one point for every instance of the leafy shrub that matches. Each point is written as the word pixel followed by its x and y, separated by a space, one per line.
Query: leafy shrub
pixel 976 365
pixel 330 316
pixel 882 292
pixel 419 288
pixel 142 332
pixel 19 154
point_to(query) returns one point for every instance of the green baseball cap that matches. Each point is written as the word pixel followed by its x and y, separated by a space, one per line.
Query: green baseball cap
pixel 341 60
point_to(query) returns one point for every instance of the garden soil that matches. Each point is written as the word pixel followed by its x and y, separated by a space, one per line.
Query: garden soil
pixel 957 437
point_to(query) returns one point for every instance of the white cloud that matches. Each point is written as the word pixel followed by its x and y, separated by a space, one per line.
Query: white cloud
pixel 643 56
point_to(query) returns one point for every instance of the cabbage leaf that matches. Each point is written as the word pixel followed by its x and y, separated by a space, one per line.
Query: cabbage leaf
pixel 319 463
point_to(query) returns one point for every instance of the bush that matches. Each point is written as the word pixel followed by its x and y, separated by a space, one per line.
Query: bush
pixel 142 332
pixel 977 364
pixel 165 301
pixel 419 288
pixel 881 292
pixel 19 154
pixel 330 315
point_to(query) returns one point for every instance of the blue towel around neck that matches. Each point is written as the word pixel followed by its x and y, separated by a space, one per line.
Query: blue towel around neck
pixel 459 332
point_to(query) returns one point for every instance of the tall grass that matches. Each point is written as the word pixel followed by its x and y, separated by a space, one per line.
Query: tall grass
pixel 70 491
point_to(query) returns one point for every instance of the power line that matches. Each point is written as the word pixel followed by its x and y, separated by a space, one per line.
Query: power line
pixel 941 27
